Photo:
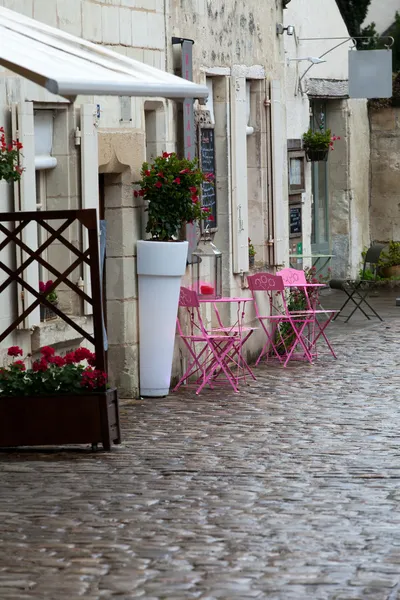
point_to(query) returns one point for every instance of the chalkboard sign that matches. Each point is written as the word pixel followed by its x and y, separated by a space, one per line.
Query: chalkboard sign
pixel 207 164
pixel 295 221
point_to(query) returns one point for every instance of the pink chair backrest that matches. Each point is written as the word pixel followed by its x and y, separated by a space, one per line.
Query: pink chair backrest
pixel 265 282
pixel 188 298
pixel 292 276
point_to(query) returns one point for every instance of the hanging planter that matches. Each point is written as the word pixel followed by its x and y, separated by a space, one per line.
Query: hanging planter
pixel 171 188
pixel 315 155
pixel 317 144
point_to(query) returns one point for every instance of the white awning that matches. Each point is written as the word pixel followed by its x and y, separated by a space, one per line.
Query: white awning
pixel 70 66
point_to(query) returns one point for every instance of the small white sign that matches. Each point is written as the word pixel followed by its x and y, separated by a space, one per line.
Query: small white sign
pixel 370 74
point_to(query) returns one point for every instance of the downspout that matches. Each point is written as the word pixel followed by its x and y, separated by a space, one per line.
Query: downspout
pixel 270 242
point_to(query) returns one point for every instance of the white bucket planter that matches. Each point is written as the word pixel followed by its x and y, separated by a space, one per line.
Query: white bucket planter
pixel 160 266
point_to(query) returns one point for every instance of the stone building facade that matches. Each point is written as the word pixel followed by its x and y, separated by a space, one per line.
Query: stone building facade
pixel 334 202
pixel 239 55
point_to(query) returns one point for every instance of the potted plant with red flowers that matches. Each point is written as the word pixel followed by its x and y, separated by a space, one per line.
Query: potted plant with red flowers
pixel 9 158
pixel 45 312
pixel 318 143
pixel 170 187
pixel 56 400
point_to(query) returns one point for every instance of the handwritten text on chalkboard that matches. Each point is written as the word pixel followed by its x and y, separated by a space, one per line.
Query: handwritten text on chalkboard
pixel 295 221
pixel 207 164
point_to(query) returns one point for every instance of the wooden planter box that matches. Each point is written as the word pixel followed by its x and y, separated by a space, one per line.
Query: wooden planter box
pixel 58 420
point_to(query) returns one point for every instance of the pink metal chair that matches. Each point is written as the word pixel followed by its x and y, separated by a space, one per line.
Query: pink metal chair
pixel 295 278
pixel 211 352
pixel 284 331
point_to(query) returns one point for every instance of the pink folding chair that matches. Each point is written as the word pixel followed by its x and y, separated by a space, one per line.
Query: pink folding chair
pixel 284 331
pixel 211 353
pixel 294 278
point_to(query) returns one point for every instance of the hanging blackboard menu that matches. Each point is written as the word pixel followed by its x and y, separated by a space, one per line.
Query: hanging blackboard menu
pixel 207 164
pixel 295 221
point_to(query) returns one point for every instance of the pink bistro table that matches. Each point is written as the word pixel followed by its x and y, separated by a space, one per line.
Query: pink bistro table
pixel 242 332
pixel 314 306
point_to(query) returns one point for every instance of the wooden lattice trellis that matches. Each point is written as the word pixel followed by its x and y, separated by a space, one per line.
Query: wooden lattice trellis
pixel 88 219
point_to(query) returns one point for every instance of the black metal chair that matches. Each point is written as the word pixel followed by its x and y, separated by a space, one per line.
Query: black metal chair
pixel 357 291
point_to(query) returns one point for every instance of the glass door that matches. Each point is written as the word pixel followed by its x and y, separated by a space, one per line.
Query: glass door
pixel 320 206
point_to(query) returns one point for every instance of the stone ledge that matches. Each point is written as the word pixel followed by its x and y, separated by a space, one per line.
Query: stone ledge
pixel 59 334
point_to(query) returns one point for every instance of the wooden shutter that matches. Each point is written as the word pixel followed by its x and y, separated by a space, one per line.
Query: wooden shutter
pixel 240 217
pixel 90 178
pixel 25 200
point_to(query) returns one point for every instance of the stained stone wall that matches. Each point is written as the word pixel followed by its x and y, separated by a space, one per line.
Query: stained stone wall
pixel 385 174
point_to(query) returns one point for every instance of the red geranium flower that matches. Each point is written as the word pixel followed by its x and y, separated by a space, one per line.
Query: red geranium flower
pixel 166 154
pixel 20 364
pixel 47 351
pixel 136 193
pixel 195 199
pixel 193 190
pixel 40 365
pixel 82 354
pixel 147 173
pixel 70 358
pixel 177 180
pixel 15 351
pixel 59 361
pixel 158 184
pixel 184 171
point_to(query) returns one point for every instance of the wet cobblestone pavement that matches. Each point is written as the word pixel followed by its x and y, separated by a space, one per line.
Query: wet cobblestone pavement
pixel 288 491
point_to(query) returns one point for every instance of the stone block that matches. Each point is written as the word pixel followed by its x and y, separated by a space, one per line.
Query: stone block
pixel 123 363
pixel 110 23
pixel 91 21
pixel 122 321
pixel 121 278
pixel 383 120
pixel 120 225
pixel 121 149
pixel 46 12
pixel 125 27
pixel 24 7
pixel 69 16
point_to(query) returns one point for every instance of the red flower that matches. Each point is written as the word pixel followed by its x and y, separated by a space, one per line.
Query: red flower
pixel 70 358
pixel 195 199
pixel 147 173
pixel 15 351
pixel 141 192
pixel 211 218
pixel 208 176
pixel 59 361
pixel 193 190
pixel 47 351
pixel 48 285
pixel 136 193
pixel 18 145
pixel 10 147
pixel 93 379
pixel 184 171
pixel 166 154
pixel 92 360
pixel 158 184
pixel 160 174
pixel 19 169
pixel 2 129
pixel 177 180
pixel 40 365
pixel 205 209
pixel 20 365
pixel 42 287
pixel 82 354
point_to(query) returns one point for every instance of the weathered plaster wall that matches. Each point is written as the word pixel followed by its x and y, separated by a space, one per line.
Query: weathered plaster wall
pixel 385 174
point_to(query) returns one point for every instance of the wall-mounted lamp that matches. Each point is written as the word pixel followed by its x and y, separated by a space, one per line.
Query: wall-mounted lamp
pixel 312 59
pixel 280 29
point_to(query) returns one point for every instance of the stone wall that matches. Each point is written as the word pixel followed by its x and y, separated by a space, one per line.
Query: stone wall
pixel 385 174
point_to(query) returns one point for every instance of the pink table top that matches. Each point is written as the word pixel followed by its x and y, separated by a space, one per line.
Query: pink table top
pixel 224 299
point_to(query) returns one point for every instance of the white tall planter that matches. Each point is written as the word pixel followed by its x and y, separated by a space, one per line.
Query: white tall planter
pixel 160 266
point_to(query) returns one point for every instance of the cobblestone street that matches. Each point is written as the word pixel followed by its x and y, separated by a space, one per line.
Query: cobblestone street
pixel 288 491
